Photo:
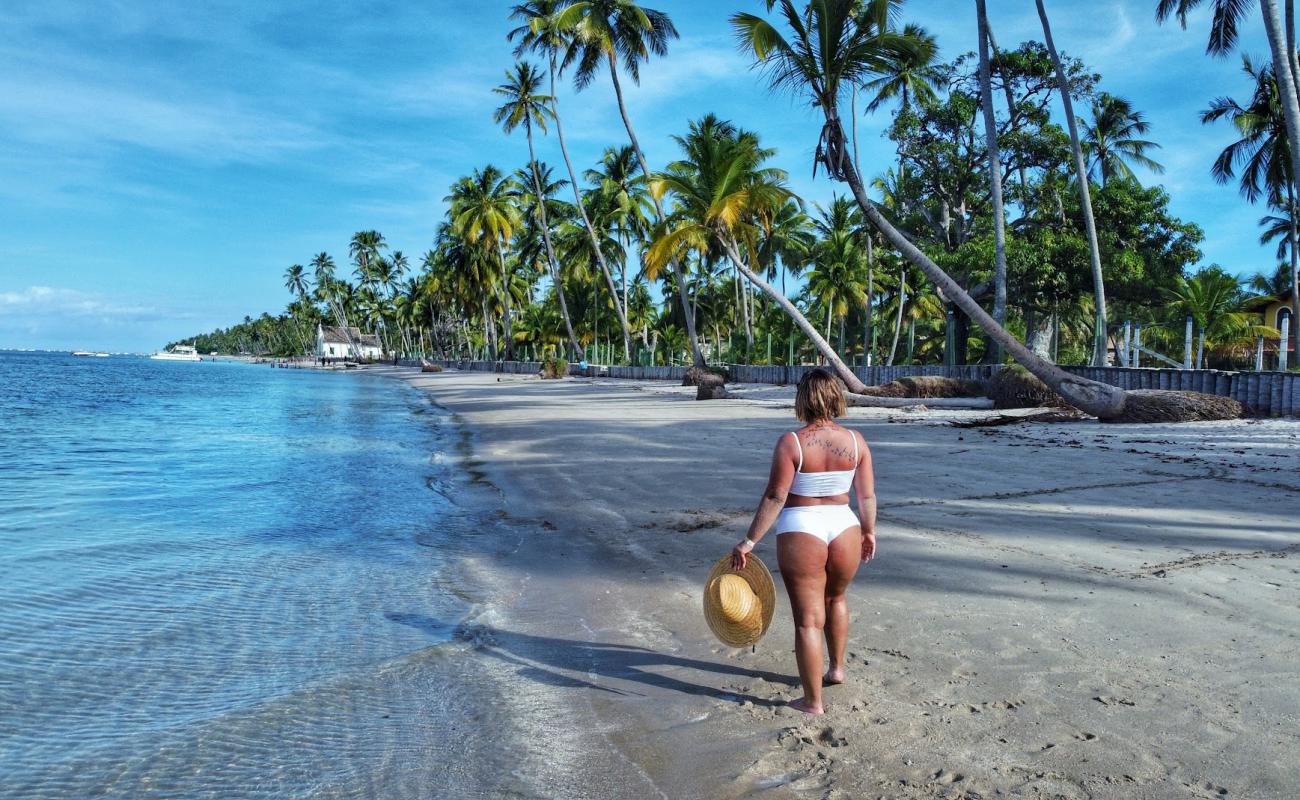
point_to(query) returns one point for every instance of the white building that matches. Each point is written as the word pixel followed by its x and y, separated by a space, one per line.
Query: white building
pixel 332 342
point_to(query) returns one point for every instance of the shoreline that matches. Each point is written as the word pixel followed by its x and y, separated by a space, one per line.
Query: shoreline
pixel 1113 617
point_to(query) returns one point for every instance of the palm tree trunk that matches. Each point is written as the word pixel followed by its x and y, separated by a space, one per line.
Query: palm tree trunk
pixel 823 347
pixel 1295 279
pixel 995 178
pixel 551 260
pixel 1092 397
pixel 1011 106
pixel 898 320
pixel 505 301
pixel 749 323
pixel 582 212
pixel 867 327
pixel 1099 358
pixel 489 330
pixel 659 211
pixel 1288 81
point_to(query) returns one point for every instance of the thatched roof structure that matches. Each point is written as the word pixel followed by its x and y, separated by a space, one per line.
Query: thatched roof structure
pixel 333 334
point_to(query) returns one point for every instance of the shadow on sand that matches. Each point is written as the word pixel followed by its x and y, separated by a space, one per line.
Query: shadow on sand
pixel 554 662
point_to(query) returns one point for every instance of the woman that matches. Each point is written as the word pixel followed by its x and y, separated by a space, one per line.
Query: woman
pixel 819 542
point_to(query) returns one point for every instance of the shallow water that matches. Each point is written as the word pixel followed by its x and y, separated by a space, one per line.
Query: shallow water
pixel 224 580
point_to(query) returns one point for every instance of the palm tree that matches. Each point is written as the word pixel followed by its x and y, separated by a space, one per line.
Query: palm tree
pixel 1213 299
pixel 833 42
pixel 721 190
pixel 524 103
pixel 483 211
pixel 839 277
pixel 295 281
pixel 544 31
pixel 622 200
pixel 1263 156
pixel 1099 357
pixel 1286 69
pixel 332 292
pixel 995 177
pixel 601 32
pixel 910 74
pixel 1110 141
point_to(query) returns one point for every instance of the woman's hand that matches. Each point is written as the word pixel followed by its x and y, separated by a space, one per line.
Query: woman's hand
pixel 740 553
pixel 868 546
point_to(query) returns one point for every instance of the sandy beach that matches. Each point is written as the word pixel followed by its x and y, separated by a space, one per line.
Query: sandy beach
pixel 1056 611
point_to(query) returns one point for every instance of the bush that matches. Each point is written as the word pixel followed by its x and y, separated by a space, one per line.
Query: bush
pixel 553 368
pixel 1016 387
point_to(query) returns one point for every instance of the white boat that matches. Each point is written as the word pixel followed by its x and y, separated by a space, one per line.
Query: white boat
pixel 89 354
pixel 181 352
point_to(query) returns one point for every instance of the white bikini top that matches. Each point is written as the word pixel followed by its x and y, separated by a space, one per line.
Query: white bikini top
pixel 823 484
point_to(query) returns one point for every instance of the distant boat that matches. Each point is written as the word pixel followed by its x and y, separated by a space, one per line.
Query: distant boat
pixel 181 352
pixel 90 354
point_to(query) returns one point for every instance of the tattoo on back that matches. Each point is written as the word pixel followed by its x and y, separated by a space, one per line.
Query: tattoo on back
pixel 820 439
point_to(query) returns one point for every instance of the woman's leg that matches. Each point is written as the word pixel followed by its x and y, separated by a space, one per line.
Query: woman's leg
pixel 843 557
pixel 802 558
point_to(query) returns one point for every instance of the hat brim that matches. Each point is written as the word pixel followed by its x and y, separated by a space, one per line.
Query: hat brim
pixel 740 633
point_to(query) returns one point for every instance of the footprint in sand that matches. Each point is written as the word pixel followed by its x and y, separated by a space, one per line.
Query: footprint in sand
pixel 1205 789
pixel 946 778
pixel 829 738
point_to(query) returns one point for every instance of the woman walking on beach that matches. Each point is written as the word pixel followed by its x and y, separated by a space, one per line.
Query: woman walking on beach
pixel 820 542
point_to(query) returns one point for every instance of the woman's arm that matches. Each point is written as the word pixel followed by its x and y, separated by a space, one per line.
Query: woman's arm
pixel 864 486
pixel 770 504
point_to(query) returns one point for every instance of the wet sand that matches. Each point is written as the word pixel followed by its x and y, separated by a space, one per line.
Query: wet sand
pixel 1071 610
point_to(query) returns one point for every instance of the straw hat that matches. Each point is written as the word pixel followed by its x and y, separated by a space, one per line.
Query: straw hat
pixel 738 604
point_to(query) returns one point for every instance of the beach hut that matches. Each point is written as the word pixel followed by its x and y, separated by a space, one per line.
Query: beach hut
pixel 333 343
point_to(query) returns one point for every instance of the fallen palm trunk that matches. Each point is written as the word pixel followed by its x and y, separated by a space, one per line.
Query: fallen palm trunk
pixel 872 401
pixel 1151 405
pixel 1071 415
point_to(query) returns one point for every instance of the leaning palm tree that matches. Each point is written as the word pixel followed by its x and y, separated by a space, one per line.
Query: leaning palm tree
pixel 524 103
pixel 1099 357
pixel 1111 140
pixel 599 33
pixel 332 292
pixel 832 43
pixel 544 31
pixel 721 190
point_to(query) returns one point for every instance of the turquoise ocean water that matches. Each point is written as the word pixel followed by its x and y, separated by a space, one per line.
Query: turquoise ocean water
pixel 228 580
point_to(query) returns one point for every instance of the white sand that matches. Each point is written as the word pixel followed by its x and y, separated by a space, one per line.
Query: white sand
pixel 1072 610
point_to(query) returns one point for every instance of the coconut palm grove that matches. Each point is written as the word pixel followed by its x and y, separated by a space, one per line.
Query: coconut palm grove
pixel 1009 225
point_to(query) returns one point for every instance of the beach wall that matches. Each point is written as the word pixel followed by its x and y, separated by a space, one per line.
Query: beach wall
pixel 1275 394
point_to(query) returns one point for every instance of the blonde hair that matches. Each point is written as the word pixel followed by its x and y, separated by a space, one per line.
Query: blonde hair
pixel 820 396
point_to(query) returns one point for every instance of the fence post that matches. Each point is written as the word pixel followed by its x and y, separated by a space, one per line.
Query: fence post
pixel 1127 349
pixel 1135 357
pixel 1259 354
pixel 1187 345
pixel 1281 352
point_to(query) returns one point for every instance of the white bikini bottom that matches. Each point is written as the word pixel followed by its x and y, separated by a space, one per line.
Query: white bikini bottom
pixel 824 522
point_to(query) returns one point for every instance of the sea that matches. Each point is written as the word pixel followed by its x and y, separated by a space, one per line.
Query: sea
pixel 227 580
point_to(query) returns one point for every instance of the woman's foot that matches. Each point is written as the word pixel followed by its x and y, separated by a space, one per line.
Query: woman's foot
pixel 803 705
pixel 833 677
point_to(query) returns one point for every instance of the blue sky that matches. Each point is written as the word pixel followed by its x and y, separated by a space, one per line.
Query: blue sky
pixel 162 164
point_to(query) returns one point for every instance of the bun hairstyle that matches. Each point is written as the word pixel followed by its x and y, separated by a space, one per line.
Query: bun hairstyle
pixel 820 396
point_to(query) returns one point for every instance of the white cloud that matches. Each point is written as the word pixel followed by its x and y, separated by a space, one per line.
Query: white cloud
pixel 47 301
